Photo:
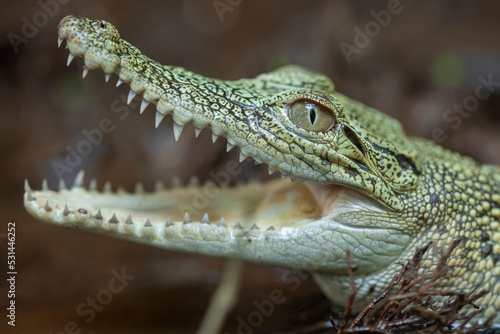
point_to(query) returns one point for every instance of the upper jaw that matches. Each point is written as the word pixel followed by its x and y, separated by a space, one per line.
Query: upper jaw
pixel 120 57
pixel 100 46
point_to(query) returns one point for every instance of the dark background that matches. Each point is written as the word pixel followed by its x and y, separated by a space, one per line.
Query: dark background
pixel 428 58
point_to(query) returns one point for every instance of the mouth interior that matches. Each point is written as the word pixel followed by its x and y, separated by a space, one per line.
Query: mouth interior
pixel 277 203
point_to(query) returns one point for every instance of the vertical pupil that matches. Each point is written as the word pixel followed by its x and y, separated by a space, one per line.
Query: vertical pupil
pixel 312 115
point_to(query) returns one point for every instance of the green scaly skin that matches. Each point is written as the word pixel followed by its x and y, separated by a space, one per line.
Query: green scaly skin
pixel 366 185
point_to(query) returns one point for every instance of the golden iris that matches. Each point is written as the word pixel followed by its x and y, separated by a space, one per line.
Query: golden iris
pixel 311 116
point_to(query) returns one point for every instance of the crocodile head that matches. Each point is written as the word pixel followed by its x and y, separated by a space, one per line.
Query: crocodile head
pixel 355 165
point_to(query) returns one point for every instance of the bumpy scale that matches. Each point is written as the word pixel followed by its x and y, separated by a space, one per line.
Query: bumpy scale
pixel 366 185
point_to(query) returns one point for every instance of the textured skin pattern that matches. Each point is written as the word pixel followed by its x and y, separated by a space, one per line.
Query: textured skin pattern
pixel 366 185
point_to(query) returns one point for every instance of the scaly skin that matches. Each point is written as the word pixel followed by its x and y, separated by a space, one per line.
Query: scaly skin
pixel 366 185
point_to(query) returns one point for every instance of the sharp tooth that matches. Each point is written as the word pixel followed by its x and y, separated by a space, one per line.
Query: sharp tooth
pixel 144 105
pixel 187 219
pixel 271 228
pixel 119 82
pixel 62 185
pixel 79 179
pixel 193 181
pixel 169 222
pixel 148 223
pixel 113 219
pixel 229 147
pixel 85 71
pixel 131 96
pixel 139 188
pixel 93 185
pixel 177 131
pixel 66 210
pixel 238 226
pixel 70 59
pixel 107 187
pixel 47 207
pixel 205 219
pixel 59 41
pixel 98 215
pixel 254 227
pixel 29 195
pixel 159 186
pixel 176 182
pixel 269 170
pixel 197 132
pixel 222 222
pixel 242 157
pixel 159 118
pixel 45 186
pixel 26 185
pixel 107 76
pixel 129 220
pixel 283 176
pixel 214 137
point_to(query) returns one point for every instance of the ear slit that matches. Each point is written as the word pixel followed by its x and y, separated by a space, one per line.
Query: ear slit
pixel 353 138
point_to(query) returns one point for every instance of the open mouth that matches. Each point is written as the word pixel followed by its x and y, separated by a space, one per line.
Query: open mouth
pixel 254 209
pixel 266 206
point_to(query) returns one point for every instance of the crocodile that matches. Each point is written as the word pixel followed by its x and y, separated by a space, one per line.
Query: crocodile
pixel 362 184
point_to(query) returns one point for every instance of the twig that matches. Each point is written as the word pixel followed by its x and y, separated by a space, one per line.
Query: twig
pixel 223 299
pixel 412 307
pixel 352 292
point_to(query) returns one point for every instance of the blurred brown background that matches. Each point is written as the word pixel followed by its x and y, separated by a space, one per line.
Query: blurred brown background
pixel 428 57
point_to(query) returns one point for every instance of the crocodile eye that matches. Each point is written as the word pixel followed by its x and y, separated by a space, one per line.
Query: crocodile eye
pixel 311 116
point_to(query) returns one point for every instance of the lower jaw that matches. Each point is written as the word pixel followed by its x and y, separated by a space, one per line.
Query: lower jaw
pixel 276 203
